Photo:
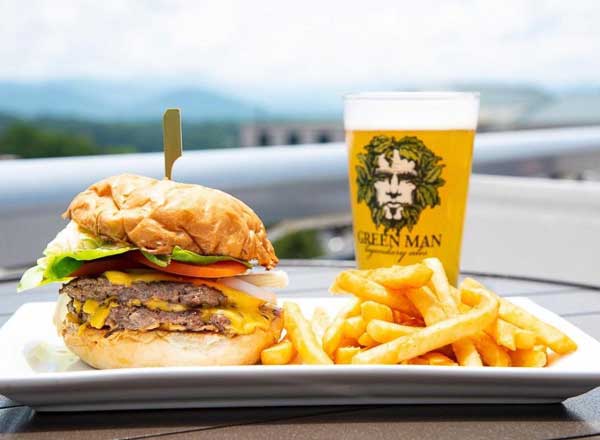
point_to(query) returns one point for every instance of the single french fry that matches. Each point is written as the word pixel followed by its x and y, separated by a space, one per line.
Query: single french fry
pixel 302 336
pixel 456 295
pixel 504 333
pixel 463 308
pixel 278 354
pixel 416 361
pixel 344 355
pixel 435 336
pixel 548 334
pixel 492 354
pixel 464 350
pixel 401 277
pixel 529 358
pixel 368 290
pixel 406 319
pixel 440 286
pixel 335 332
pixel 524 339
pixel 427 304
pixel 437 358
pixel 366 341
pixel 466 353
pixel 319 322
pixel 510 336
pixel 383 331
pixel 348 342
pixel 370 310
pixel 354 327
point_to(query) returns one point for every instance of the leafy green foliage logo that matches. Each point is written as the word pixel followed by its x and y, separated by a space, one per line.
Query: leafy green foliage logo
pixel 398 179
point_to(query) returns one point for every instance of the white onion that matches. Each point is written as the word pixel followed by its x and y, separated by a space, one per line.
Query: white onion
pixel 277 279
pixel 250 289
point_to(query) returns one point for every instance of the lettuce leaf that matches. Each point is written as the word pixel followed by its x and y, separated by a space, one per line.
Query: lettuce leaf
pixel 159 260
pixel 189 257
pixel 66 253
pixel 193 258
pixel 73 246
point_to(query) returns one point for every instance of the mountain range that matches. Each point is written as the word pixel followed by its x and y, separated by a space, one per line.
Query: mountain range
pixel 97 100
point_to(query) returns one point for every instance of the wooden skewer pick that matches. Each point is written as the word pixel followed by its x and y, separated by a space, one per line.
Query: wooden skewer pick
pixel 171 138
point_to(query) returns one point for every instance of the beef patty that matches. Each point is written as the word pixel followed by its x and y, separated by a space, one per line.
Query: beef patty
pixel 125 316
pixel 100 289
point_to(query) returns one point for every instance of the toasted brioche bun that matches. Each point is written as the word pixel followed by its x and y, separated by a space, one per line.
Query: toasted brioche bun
pixel 157 215
pixel 131 349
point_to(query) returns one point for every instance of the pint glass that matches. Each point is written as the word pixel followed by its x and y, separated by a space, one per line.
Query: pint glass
pixel 409 157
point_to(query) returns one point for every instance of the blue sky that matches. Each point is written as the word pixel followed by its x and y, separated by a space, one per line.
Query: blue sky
pixel 286 47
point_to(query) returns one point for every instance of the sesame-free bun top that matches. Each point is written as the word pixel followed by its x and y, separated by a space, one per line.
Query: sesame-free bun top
pixel 157 215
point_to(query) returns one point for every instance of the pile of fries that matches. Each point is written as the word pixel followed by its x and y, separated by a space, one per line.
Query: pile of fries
pixel 412 315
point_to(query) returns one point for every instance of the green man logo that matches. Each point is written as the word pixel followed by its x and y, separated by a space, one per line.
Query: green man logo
pixel 398 179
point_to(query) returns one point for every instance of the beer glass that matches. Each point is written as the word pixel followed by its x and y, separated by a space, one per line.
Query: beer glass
pixel 409 158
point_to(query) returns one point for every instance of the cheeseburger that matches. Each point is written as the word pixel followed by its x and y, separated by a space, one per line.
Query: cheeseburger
pixel 159 273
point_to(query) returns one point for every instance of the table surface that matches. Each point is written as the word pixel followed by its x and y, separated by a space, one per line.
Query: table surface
pixel 573 419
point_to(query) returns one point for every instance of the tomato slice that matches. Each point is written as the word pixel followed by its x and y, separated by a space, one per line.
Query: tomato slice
pixel 215 270
pixel 95 267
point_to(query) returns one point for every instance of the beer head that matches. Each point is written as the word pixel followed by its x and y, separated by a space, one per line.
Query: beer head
pixel 411 111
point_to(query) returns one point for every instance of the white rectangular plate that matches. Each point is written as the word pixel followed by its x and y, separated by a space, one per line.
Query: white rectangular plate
pixel 37 370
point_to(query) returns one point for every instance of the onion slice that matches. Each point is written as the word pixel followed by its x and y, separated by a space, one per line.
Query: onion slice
pixel 250 289
pixel 277 279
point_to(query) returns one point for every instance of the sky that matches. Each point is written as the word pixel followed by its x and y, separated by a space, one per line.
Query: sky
pixel 292 46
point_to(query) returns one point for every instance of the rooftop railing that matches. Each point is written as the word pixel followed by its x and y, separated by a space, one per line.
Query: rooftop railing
pixel 287 182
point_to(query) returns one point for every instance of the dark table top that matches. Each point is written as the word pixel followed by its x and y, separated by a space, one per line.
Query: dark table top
pixel 575 418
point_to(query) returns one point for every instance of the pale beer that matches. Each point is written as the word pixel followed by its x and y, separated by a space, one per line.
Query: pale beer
pixel 409 157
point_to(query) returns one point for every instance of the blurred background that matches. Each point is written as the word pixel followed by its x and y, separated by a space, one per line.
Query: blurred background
pixel 260 85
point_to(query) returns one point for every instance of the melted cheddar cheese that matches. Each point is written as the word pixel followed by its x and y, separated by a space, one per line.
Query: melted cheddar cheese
pixel 126 279
pixel 243 310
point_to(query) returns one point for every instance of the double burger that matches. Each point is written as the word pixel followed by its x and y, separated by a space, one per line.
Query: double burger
pixel 159 273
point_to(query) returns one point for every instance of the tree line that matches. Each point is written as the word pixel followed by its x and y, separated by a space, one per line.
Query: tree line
pixel 52 137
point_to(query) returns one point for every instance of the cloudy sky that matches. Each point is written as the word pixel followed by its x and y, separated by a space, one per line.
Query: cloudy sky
pixel 292 45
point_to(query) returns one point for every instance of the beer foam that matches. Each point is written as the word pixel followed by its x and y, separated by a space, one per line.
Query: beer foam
pixel 411 111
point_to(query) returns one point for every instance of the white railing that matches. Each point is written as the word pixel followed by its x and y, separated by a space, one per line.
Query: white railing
pixel 278 182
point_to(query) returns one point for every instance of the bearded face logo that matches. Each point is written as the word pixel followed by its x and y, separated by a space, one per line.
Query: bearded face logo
pixel 397 179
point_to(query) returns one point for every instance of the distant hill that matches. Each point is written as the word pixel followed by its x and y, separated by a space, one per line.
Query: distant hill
pixel 143 136
pixel 195 104
pixel 118 101
pixel 6 120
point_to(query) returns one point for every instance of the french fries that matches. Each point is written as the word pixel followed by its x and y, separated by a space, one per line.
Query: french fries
pixel 435 336
pixel 549 335
pixel 354 327
pixel 437 308
pixel 411 315
pixel 524 339
pixel 370 310
pixel 319 322
pixel 366 289
pixel 400 277
pixel 504 333
pixel 437 358
pixel 302 336
pixel 278 354
pixel 383 331
pixel 439 284
pixel 529 358
pixel 334 333
pixel 344 355
pixel 492 354
pixel 366 341
pixel 427 304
